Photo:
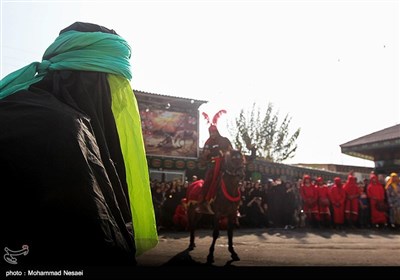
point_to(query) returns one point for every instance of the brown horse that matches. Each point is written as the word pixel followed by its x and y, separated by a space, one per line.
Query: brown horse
pixel 225 204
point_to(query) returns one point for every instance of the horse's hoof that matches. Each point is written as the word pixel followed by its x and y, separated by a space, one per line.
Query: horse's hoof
pixel 235 257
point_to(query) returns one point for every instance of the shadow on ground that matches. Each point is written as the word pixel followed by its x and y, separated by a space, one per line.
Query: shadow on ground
pixel 298 233
pixel 184 259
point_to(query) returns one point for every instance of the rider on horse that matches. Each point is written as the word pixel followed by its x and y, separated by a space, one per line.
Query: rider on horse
pixel 213 152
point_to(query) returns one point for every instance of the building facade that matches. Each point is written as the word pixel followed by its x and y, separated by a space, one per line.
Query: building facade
pixel 170 127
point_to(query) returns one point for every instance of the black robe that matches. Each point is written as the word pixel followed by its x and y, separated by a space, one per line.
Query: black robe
pixel 63 185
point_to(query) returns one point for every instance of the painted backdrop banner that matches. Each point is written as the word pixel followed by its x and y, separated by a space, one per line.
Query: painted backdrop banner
pixel 169 133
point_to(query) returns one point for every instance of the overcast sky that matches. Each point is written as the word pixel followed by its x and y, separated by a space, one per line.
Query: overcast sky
pixel 333 66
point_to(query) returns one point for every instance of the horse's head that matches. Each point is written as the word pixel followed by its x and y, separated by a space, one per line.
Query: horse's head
pixel 235 163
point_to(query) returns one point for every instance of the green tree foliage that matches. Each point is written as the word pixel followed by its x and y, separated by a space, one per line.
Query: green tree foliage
pixel 263 130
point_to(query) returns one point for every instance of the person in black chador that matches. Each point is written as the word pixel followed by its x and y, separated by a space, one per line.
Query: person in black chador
pixel 67 195
pixel 213 152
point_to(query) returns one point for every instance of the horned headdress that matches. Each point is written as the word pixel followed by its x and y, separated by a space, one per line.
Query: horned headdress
pixel 213 123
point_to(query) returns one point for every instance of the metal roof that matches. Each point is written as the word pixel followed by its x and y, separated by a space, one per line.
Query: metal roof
pixel 382 145
pixel 390 133
pixel 157 95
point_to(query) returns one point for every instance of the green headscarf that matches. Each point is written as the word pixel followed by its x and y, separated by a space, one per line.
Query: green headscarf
pixel 74 50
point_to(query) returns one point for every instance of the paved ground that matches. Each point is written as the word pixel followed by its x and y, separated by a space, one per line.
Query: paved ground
pixel 279 247
pixel 300 253
pixel 265 253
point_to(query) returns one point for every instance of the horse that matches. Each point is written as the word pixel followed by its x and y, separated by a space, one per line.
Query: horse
pixel 181 136
pixel 225 204
pixel 179 139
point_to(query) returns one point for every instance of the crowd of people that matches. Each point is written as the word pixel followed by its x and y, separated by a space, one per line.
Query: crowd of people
pixel 307 202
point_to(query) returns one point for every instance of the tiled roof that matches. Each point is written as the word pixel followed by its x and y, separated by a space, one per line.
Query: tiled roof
pixel 386 134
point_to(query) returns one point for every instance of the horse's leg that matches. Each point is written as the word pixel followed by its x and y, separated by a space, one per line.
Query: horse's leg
pixel 193 220
pixel 192 226
pixel 210 257
pixel 191 244
pixel 234 256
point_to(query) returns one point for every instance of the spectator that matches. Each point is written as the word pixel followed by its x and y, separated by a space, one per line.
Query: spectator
pixel 309 195
pixel 288 204
pixel 69 120
pixel 393 196
pixel 323 203
pixel 364 211
pixel 180 218
pixel 352 194
pixel 376 195
pixel 337 197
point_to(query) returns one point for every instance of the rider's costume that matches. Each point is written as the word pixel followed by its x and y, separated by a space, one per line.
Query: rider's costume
pixel 213 152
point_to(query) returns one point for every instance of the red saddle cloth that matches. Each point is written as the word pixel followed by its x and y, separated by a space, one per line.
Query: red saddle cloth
pixel 194 191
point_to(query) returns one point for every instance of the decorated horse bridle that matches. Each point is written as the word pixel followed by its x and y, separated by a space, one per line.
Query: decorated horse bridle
pixel 230 169
pixel 227 195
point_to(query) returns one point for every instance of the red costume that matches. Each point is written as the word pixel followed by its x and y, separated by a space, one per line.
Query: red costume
pixel 352 194
pixel 323 201
pixel 309 194
pixel 180 216
pixel 337 196
pixel 213 152
pixel 376 194
pixel 194 191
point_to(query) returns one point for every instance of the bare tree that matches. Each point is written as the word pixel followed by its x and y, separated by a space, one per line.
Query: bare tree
pixel 255 128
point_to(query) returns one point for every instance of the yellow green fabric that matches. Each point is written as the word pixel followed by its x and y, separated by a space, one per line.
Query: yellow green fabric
pixel 127 119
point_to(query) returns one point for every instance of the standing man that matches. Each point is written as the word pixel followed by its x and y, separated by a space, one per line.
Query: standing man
pixel 338 197
pixel 352 195
pixel 213 152
pixel 376 195
pixel 309 194
pixel 323 202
